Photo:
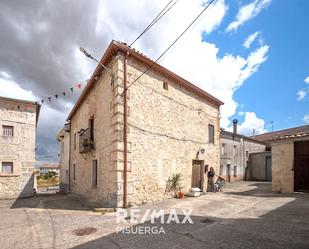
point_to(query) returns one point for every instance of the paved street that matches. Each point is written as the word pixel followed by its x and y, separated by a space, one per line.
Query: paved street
pixel 246 215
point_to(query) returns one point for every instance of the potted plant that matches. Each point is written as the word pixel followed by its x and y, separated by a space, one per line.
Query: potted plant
pixel 174 185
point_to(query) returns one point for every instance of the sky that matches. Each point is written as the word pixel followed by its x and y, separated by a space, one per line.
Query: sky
pixel 251 54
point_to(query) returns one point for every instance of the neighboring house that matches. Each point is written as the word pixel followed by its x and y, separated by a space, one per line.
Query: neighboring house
pixel 48 168
pixel 173 127
pixel 235 150
pixel 18 120
pixel 64 138
pixel 290 158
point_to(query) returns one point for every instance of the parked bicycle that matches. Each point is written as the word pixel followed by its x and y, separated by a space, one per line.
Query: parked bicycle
pixel 219 184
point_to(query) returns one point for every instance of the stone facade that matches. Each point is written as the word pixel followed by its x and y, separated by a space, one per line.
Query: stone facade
pixel 64 138
pixel 17 147
pixel 167 129
pixel 235 151
pixel 259 166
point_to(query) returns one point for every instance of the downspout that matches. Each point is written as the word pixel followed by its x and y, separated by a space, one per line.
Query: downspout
pixel 70 159
pixel 125 131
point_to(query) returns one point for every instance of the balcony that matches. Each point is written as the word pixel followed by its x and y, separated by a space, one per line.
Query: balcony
pixel 86 143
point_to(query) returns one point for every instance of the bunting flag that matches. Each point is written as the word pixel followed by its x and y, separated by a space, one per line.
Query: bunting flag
pixel 64 93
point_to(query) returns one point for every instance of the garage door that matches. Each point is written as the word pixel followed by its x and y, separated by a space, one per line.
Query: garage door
pixel 301 166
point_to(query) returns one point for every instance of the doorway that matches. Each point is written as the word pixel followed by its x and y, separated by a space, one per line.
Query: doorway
pixel 197 174
pixel 228 172
pixel 301 166
pixel 268 169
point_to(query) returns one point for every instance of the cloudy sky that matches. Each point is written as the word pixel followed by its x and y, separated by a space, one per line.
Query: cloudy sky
pixel 252 54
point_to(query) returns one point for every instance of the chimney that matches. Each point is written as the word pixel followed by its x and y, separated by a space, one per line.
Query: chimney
pixel 235 122
pixel 253 133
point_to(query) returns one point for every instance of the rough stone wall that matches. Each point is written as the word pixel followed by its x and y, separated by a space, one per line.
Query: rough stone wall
pixel 282 165
pixel 103 103
pixel 19 149
pixel 166 130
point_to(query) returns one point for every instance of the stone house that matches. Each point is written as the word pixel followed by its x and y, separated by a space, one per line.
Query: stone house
pixel 64 138
pixel 172 127
pixel 18 120
pixel 290 158
pixel 235 150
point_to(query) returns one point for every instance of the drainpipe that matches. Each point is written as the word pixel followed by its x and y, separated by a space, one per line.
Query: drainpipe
pixel 125 131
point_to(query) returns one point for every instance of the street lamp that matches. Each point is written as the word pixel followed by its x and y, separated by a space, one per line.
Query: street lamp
pixel 99 62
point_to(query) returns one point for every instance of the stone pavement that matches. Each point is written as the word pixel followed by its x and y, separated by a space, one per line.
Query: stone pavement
pixel 245 215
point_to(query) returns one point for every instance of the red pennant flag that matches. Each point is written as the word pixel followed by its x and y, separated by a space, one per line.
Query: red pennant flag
pixel 79 85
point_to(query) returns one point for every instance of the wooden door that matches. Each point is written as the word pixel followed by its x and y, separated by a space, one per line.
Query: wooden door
pixel 228 173
pixel 197 174
pixel 301 166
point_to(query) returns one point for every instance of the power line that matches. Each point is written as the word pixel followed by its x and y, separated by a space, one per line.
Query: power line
pixel 156 19
pixel 173 43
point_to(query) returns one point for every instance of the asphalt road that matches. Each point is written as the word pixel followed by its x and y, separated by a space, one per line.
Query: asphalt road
pixel 247 215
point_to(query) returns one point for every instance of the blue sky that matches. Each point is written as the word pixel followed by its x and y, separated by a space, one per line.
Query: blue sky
pixel 272 91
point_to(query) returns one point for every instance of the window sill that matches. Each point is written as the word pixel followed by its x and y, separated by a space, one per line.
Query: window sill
pixel 9 175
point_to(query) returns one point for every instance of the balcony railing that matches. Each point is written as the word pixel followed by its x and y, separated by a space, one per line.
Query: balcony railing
pixel 85 142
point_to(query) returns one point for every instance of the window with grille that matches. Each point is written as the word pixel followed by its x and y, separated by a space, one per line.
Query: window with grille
pixel 7 167
pixel 8 131
pixel 223 149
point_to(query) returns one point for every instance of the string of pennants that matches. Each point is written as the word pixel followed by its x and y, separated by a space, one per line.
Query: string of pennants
pixel 49 99
pixel 64 93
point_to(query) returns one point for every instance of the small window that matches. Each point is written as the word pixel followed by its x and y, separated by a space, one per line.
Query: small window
pixel 8 131
pixel 165 85
pixel 7 167
pixel 94 173
pixel 234 150
pixel 211 133
pixel 75 141
pixel 247 153
pixel 74 172
pixel 223 149
pixel 235 171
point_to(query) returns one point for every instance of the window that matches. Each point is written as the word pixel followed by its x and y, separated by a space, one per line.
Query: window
pixel 91 127
pixel 94 173
pixel 247 153
pixel 8 131
pixel 211 133
pixel 7 167
pixel 235 171
pixel 223 149
pixel 234 150
pixel 75 141
pixel 165 85
pixel 74 171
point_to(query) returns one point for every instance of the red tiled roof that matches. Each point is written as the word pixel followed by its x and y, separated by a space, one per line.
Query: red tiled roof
pixel 291 132
pixel 115 47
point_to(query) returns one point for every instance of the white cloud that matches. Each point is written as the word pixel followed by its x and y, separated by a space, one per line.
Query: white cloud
pixel 307 80
pixel 247 12
pixel 301 95
pixel 250 39
pixel 252 122
pixel 306 119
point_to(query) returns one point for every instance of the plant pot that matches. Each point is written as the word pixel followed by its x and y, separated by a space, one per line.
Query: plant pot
pixel 181 195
